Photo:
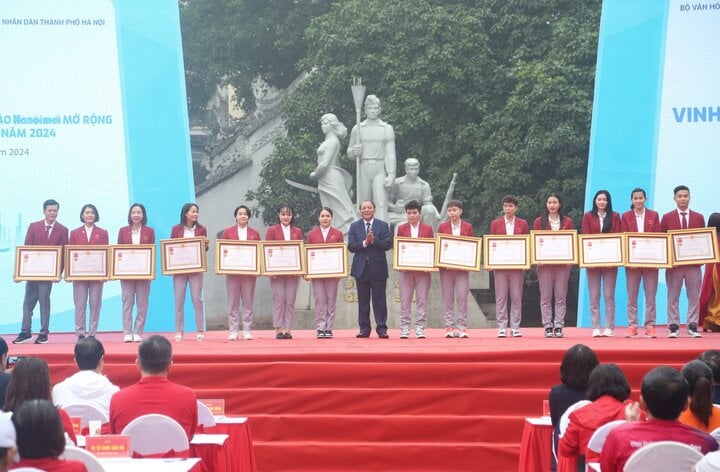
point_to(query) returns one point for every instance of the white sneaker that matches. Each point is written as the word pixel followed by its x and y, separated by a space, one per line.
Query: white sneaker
pixel 608 333
pixel 515 333
pixel 404 333
pixel 449 333
pixel 462 334
pixel 419 333
pixel 178 336
pixel 596 333
pixel 247 336
pixel 137 338
pixel 127 338
pixel 233 336
pixel 502 333
pixel 200 337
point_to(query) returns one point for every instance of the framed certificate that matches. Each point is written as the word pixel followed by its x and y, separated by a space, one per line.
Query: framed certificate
pixel 694 246
pixel 183 255
pixel 506 252
pixel 414 254
pixel 38 263
pixel 554 247
pixel 326 260
pixel 132 261
pixel 237 257
pixel 647 250
pixel 282 258
pixel 86 262
pixel 602 249
pixel 458 252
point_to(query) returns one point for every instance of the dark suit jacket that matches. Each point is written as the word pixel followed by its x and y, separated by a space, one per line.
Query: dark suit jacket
pixel 147 235
pixel 275 233
pixel 315 236
pixel 650 225
pixel 35 235
pixel 567 223
pixel 371 258
pixel 466 228
pixel 232 233
pixel 79 236
pixel 178 231
pixel 671 220
pixel 498 226
pixel 591 223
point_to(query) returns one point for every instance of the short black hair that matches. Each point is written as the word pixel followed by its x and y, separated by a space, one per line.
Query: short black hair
pixel 679 188
pixel 93 208
pixel 607 379
pixel 50 202
pixel 155 355
pixel 413 205
pixel 88 352
pixel 369 201
pixel 455 203
pixel 714 222
pixel 665 392
pixel 39 430
pixel 711 357
pixel 3 347
pixel 510 199
pixel 142 207
pixel 577 364
pixel 243 207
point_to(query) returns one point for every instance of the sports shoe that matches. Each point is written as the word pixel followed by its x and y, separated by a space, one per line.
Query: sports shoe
pixel 328 334
pixel 462 334
pixel 673 331
pixel 247 336
pixel 22 337
pixel 178 336
pixel 127 338
pixel 320 334
pixel 41 339
pixel 650 332
pixel 608 333
pixel 632 332
pixel 200 337
pixel 233 335
pixel 548 332
pixel 596 333
pixel 404 333
pixel 420 333
pixel 449 333
pixel 692 331
pixel 515 333
pixel 558 332
pixel 502 333
pixel 137 338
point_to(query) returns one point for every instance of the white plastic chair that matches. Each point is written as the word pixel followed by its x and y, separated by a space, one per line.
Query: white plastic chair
pixel 668 456
pixel 716 434
pixel 205 416
pixel 27 469
pixel 597 440
pixel 87 413
pixel 156 434
pixel 564 423
pixel 78 454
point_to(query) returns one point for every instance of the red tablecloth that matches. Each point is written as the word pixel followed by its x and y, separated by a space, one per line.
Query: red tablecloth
pixel 236 455
pixel 536 446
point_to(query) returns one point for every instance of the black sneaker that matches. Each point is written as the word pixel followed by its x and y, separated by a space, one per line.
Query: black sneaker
pixel 328 333
pixel 22 337
pixel 42 339
pixel 693 331
pixel 320 334
pixel 548 332
pixel 558 332
pixel 673 330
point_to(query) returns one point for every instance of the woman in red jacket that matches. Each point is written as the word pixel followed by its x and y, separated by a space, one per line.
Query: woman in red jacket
pixel 325 289
pixel 240 287
pixel 189 227
pixel 602 219
pixel 553 279
pixel 284 287
pixel 135 291
pixel 88 292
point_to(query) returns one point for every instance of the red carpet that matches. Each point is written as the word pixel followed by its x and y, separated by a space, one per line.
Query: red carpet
pixel 369 404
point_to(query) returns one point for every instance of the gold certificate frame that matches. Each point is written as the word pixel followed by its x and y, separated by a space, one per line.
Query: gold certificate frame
pixel 506 251
pixel 554 247
pixel 183 255
pixel 235 257
pixel 694 246
pixel 282 258
pixel 458 252
pixel 132 262
pixel 602 250
pixel 414 254
pixel 86 262
pixel 326 260
pixel 38 263
pixel 647 250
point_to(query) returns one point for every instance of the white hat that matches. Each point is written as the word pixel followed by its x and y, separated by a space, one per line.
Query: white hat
pixel 709 463
pixel 7 430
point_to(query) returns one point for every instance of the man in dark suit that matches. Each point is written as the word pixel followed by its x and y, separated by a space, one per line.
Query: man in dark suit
pixel 369 238
pixel 46 232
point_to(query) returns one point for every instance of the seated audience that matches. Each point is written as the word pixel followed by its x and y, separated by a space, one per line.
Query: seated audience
pixel 608 390
pixel 154 393
pixel 40 439
pixel 701 413
pixel 712 359
pixel 8 446
pixel 89 386
pixel 663 396
pixel 31 381
pixel 4 376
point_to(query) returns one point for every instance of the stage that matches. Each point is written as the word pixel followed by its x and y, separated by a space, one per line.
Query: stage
pixel 432 404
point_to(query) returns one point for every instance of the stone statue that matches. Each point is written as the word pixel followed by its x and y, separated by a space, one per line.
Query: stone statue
pixel 372 144
pixel 334 182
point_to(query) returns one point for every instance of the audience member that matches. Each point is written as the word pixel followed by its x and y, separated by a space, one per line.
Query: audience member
pixel 663 396
pixel 8 446
pixel 4 376
pixel 89 386
pixel 31 381
pixel 709 463
pixel 701 414
pixel 608 390
pixel 40 439
pixel 712 359
pixel 154 393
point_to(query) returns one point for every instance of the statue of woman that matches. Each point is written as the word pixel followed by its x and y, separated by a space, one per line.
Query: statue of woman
pixel 334 182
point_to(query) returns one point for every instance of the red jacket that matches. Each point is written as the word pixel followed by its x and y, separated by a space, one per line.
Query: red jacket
pixel 178 231
pixel 567 223
pixel 147 235
pixel 35 235
pixel 51 464
pixel 79 236
pixel 315 236
pixel 232 233
pixel 424 231
pixel 498 226
pixel 591 223
pixel 671 220
pixel 651 223
pixel 275 233
pixel 466 228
